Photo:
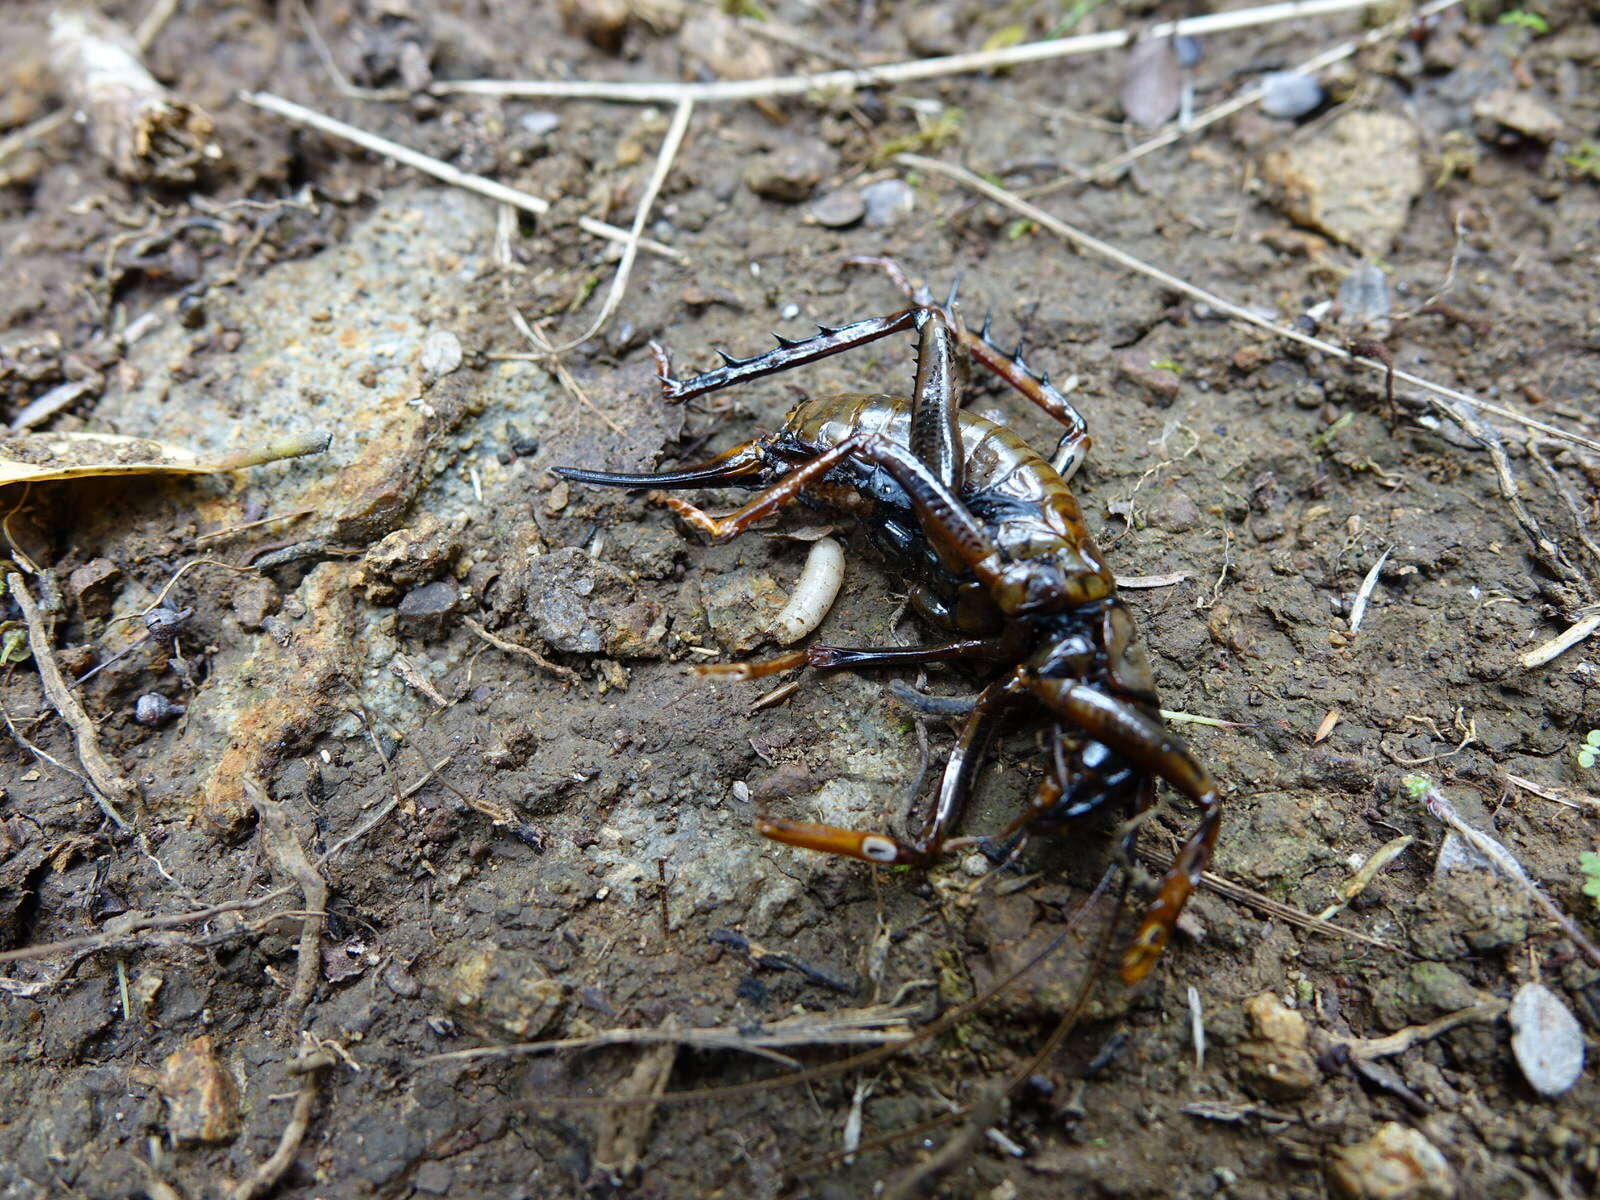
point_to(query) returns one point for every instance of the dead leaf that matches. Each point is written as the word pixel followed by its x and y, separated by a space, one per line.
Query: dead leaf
pixel 43 457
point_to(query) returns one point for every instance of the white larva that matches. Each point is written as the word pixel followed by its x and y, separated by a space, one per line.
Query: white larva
pixel 814 592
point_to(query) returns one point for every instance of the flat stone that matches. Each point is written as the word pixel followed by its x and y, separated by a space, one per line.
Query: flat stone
pixel 93 586
pixel 888 202
pixel 424 610
pixel 1546 1039
pixel 839 208
pixel 1355 181
pixel 1508 113
pixel 791 174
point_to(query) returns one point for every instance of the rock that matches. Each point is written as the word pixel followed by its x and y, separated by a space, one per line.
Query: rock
pixel 441 353
pixel 93 586
pixel 933 30
pixel 839 208
pixel 1355 181
pixel 888 201
pixel 254 600
pixel 1289 94
pixel 1363 297
pixel 539 122
pixel 602 23
pixel 1174 512
pixel 423 611
pixel 580 606
pixel 496 990
pixel 417 554
pixel 1276 1063
pixel 740 609
pixel 715 42
pixel 1396 1163
pixel 791 174
pixel 1509 114
pixel 1546 1039
pixel 202 1099
pixel 1135 366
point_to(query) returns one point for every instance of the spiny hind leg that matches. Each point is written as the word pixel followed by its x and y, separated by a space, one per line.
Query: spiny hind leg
pixel 855 658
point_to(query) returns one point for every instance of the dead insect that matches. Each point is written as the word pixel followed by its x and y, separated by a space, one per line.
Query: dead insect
pixel 1006 566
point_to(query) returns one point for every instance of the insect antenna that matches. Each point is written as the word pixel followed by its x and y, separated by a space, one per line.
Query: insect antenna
pixel 1064 1027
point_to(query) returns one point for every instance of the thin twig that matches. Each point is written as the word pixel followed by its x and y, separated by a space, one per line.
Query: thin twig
pixel 533 656
pixel 1251 95
pixel 1358 606
pixel 630 251
pixel 849 1027
pixel 1105 250
pixel 1569 637
pixel 551 361
pixel 1243 895
pixel 904 72
pixel 331 65
pixel 439 169
pixel 110 786
pixel 1504 861
pixel 121 936
pixel 1402 1040
pixel 286 850
pixel 270 1171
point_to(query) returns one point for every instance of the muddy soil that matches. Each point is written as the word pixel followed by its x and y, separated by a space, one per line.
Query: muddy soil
pixel 555 840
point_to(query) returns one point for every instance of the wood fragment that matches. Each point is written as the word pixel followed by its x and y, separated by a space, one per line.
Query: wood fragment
pixel 143 131
pixel 265 1176
pixel 285 849
pixel 1402 1040
pixel 623 1131
pixel 110 785
pixel 1569 637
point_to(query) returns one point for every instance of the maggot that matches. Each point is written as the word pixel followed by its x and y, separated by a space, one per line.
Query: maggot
pixel 814 592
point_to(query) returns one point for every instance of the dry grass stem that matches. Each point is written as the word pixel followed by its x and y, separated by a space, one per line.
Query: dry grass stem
pixel 1505 862
pixel 904 72
pixel 1569 637
pixel 869 1026
pixel 111 787
pixel 619 282
pixel 1094 245
pixel 1358 606
pixel 1243 895
pixel 1251 95
pixel 439 169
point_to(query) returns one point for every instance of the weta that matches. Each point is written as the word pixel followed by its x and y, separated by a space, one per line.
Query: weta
pixel 1005 568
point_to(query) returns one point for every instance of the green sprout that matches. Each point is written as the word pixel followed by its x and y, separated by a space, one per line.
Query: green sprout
pixel 1589 864
pixel 1020 228
pixel 1521 18
pixel 1585 160
pixel 1589 752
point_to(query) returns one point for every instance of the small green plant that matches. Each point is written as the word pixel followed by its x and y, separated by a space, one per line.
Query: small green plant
pixel 1020 228
pixel 1585 160
pixel 1589 864
pixel 1521 18
pixel 1589 752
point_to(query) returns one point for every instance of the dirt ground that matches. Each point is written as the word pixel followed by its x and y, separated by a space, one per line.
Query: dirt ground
pixel 556 840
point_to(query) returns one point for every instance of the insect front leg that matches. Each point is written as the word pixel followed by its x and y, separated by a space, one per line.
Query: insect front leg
pixel 1139 736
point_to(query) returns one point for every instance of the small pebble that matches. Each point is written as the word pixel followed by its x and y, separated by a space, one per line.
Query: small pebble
pixel 538 123
pixel 441 353
pixel 887 201
pixel 1289 94
pixel 839 208
pixel 789 312
pixel 1546 1039
pixel 1396 1163
pixel 975 865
